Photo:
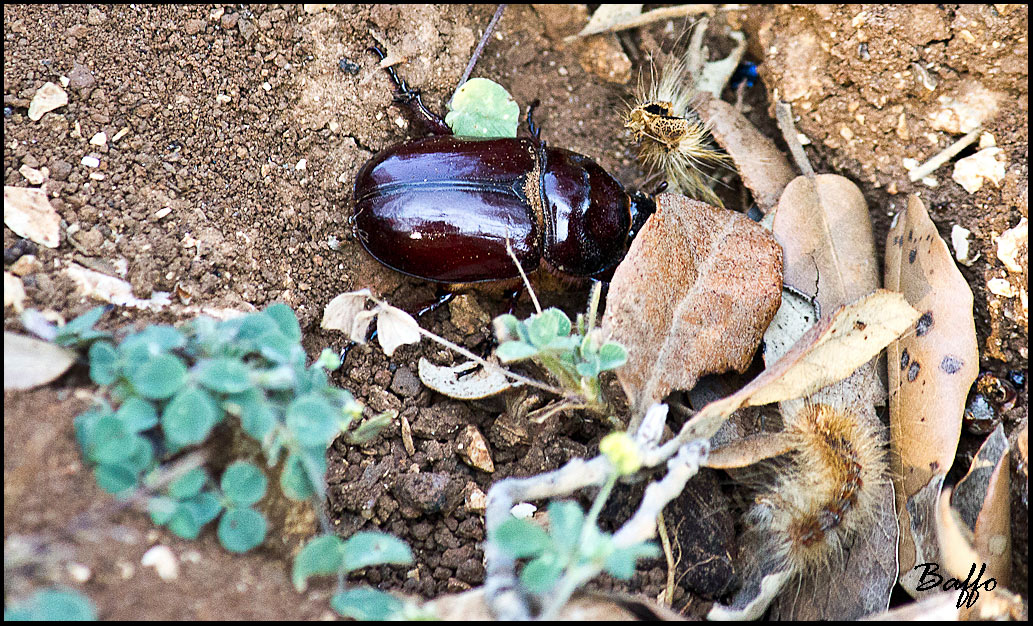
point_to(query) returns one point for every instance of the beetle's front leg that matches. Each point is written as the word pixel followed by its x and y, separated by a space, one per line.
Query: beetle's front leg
pixel 411 98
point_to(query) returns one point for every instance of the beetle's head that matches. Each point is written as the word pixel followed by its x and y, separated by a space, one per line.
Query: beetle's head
pixel 642 206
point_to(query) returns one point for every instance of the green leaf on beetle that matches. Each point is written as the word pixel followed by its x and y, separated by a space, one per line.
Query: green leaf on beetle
pixel 483 108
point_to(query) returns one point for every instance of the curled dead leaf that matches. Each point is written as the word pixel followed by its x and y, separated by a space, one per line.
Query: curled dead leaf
pixel 693 296
pixel 930 370
pixel 395 327
pixel 763 168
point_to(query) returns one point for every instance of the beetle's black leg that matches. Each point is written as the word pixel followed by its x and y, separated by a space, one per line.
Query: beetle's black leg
pixel 444 297
pixel 411 98
pixel 535 131
pixel 513 297
pixel 662 187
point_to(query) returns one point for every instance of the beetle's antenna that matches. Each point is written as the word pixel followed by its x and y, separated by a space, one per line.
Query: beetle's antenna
pixel 480 47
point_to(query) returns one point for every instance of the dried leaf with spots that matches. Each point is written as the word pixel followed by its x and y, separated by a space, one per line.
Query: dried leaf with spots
pixel 763 168
pixel 28 213
pixel 340 313
pixel 29 363
pixel 693 296
pixel 930 372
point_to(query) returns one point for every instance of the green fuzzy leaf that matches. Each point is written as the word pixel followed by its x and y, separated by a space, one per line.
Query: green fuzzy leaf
pixel 189 417
pixel 328 360
pixel 53 605
pixel 621 562
pixel 285 320
pixel 85 423
pixel 313 420
pixel 188 485
pixel 159 377
pixel 543 329
pixel 323 555
pixel 205 507
pixel 588 369
pixel 80 327
pixel 277 348
pixel 162 508
pixel 366 604
pixel 103 363
pixel 515 351
pixel 255 325
pixel 371 427
pixel 565 521
pixel 520 538
pixel 242 529
pixel 482 108
pixel 611 356
pixel 224 375
pixel 541 574
pixel 507 327
pixel 374 548
pixel 137 414
pixel 110 442
pixel 114 479
pixel 184 523
pixel 243 484
pixel 257 417
pixel 294 480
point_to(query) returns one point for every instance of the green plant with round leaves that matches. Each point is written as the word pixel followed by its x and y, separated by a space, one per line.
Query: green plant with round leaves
pixel 574 354
pixel 483 108
pixel 56 604
pixel 167 389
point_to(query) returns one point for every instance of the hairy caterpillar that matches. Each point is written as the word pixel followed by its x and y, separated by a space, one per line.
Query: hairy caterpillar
pixel 826 495
pixel 820 502
pixel 673 140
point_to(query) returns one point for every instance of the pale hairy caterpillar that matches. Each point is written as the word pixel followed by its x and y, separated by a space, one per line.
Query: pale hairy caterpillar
pixel 825 495
pixel 673 140
pixel 819 502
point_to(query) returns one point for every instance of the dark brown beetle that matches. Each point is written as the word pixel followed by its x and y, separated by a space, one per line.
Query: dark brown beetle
pixel 441 208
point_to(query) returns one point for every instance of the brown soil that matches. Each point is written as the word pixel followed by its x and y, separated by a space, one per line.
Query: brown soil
pixel 259 189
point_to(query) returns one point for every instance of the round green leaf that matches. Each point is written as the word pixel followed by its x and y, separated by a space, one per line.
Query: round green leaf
pixel 621 562
pixel 256 415
pixel 103 357
pixel 188 485
pixel 137 414
pixel 158 377
pixel 254 325
pixel 521 538
pixel 243 483
pixel 54 605
pixel 204 507
pixel 241 529
pixel 161 508
pixel 541 574
pixel 313 420
pixel 515 351
pixel 366 604
pixel 224 375
pixel 611 356
pixel 543 329
pixel 565 521
pixel 184 523
pixel 114 479
pixel 110 443
pixel 294 479
pixel 277 348
pixel 374 548
pixel 285 320
pixel 482 108
pixel 323 555
pixel 189 417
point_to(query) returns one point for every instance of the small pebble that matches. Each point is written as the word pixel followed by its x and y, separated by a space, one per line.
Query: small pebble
pixel 163 561
pixel 90 161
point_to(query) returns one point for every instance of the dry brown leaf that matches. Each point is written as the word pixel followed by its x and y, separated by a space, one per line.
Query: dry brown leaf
pixel 339 313
pixel 826 233
pixel 395 327
pixel 693 296
pixel 29 362
pixel 827 353
pixel 982 599
pixel 28 213
pixel 105 288
pixel 466 381
pixel 930 370
pixel 982 500
pixel 763 168
pixel 749 450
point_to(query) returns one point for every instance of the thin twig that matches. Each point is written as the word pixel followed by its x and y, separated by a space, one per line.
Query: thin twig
pixel 665 543
pixel 949 153
pixel 480 47
pixel 523 275
pixel 784 116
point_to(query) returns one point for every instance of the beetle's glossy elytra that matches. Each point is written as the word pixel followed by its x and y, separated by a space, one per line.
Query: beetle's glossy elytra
pixel 442 208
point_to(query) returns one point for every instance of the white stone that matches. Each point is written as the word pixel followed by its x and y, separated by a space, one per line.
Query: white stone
pixel 163 561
